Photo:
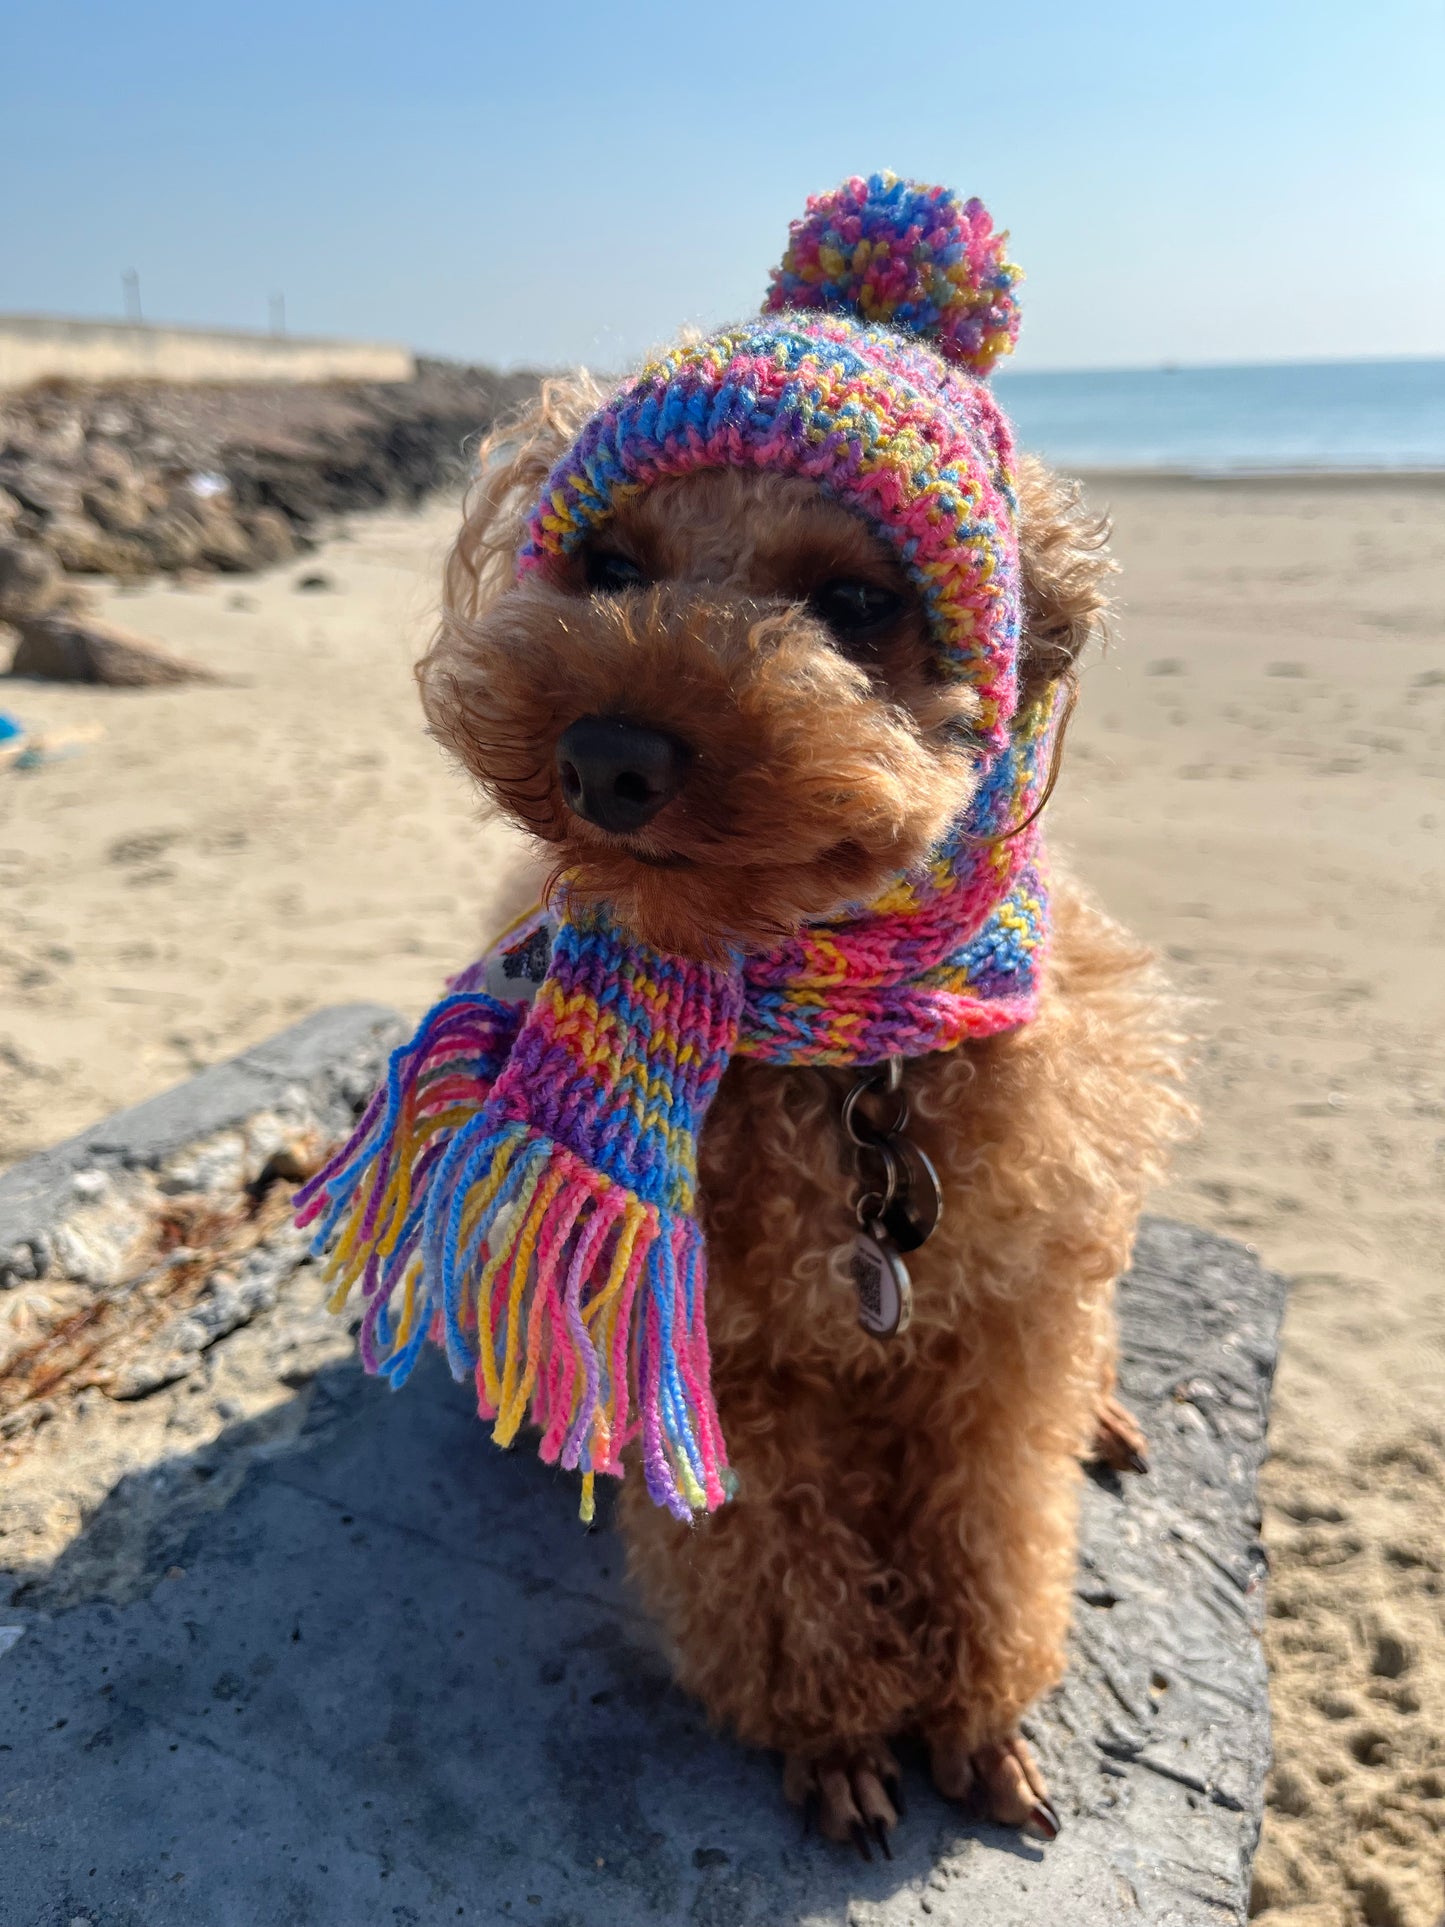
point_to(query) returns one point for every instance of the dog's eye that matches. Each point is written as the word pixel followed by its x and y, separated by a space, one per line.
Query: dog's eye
pixel 854 610
pixel 610 574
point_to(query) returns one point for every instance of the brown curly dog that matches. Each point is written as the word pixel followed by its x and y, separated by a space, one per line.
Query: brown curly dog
pixel 901 1552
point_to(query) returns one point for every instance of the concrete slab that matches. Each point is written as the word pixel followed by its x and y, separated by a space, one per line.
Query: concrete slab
pixel 393 1681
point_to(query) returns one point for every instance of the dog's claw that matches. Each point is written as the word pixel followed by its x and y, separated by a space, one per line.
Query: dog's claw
pixel 1043 1823
pixel 1000 1782
pixel 1118 1441
pixel 894 1784
pixel 847 1794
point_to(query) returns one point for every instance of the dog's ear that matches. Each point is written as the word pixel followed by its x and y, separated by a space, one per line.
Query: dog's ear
pixel 1065 564
pixel 513 461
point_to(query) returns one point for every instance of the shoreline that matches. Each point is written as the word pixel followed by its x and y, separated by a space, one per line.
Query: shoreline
pixel 1406 478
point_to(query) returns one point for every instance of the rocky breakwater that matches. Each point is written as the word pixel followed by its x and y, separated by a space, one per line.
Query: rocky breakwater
pixel 145 478
pixel 136 479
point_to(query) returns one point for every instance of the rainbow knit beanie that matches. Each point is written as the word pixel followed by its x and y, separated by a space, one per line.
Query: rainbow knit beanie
pixel 523 1187
pixel 863 376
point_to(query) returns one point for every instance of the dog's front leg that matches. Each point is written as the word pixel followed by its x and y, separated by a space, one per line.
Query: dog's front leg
pixel 784 1622
pixel 988 1531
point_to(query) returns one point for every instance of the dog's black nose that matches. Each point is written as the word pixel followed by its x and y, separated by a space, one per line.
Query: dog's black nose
pixel 618 775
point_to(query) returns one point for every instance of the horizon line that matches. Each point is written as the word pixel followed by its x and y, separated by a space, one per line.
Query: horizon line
pixel 1167 365
pixel 1007 367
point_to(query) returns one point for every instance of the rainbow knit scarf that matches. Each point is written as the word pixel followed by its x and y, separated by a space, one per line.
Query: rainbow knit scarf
pixel 522 1188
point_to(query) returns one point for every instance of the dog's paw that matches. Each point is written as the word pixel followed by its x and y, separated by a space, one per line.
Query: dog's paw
pixel 1118 1441
pixel 854 1793
pixel 1001 1781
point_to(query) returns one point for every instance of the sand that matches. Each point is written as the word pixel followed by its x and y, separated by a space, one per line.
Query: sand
pixel 1256 783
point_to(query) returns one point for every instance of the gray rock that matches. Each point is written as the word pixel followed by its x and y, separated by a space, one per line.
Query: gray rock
pixel 172 541
pixel 43 488
pixel 225 544
pixel 120 507
pixel 104 460
pixel 152 1373
pixel 67 647
pixel 82 548
pixel 114 493
pixel 318 1071
pixel 30 581
pixel 270 535
pixel 234 1299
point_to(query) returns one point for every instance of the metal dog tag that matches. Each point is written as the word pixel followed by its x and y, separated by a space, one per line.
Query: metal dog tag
pixel 911 1215
pixel 880 1277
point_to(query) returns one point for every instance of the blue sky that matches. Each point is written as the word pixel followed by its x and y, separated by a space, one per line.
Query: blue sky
pixel 547 184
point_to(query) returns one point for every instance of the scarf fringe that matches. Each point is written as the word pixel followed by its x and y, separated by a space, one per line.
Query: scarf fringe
pixel 567 1299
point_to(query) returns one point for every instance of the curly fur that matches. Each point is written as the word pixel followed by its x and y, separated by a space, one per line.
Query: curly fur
pixel 901 1548
pixel 901 1552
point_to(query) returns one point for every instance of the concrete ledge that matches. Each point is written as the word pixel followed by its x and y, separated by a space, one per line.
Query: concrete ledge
pixel 392 1681
pixel 37 347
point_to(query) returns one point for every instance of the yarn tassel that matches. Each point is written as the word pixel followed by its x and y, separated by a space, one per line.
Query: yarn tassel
pixel 368 1202
pixel 569 1301
pixel 565 1298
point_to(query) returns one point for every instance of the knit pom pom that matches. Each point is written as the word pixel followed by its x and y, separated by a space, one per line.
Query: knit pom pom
pixel 914 257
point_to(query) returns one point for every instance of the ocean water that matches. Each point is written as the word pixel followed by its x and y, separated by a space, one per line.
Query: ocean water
pixel 1301 415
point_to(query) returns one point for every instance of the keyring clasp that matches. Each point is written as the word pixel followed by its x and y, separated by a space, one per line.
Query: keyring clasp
pixel 887 1079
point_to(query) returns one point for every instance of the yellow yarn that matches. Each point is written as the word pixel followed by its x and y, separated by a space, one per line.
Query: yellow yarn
pixel 512 1406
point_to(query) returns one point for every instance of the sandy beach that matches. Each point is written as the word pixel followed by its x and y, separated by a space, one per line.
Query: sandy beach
pixel 1256 783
